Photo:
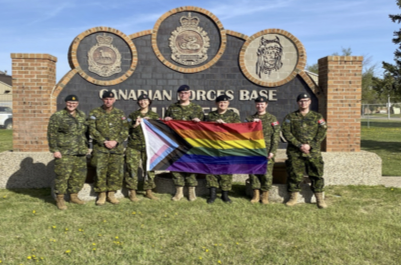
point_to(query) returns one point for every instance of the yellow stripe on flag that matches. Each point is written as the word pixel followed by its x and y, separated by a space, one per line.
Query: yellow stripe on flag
pixel 245 144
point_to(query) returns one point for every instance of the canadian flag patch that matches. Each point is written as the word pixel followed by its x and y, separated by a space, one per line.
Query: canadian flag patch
pixel 123 118
pixel 275 123
pixel 321 122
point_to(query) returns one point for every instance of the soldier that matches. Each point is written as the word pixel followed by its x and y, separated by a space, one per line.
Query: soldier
pixel 221 115
pixel 69 145
pixel 109 128
pixel 184 110
pixel 136 150
pixel 304 130
pixel 271 133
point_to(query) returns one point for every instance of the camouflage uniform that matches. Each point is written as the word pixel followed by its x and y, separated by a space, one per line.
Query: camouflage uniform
pixel 309 129
pixel 184 113
pixel 136 152
pixel 108 125
pixel 67 134
pixel 271 133
pixel 223 181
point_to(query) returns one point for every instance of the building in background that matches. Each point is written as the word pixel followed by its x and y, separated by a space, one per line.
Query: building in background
pixel 6 89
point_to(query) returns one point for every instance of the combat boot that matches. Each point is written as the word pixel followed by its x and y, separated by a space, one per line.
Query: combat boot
pixel 101 200
pixel 191 194
pixel 265 197
pixel 74 199
pixel 256 196
pixel 111 198
pixel 224 197
pixel 60 202
pixel 293 199
pixel 178 193
pixel 320 201
pixel 150 195
pixel 132 196
pixel 212 197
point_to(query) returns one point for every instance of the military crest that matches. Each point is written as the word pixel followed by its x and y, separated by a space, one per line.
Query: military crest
pixel 189 43
pixel 104 59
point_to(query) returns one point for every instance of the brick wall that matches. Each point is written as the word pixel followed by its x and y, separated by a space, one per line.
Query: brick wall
pixel 340 78
pixel 34 76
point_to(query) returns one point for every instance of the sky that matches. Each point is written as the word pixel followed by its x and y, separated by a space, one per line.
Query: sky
pixel 323 27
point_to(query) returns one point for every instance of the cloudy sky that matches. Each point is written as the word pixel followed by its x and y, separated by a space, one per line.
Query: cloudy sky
pixel 324 27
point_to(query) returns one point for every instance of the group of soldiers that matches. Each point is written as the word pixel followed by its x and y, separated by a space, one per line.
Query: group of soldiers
pixel 304 130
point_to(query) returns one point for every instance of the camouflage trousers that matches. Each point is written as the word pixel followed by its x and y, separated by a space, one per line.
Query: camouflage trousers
pixel 181 179
pixel 217 181
pixel 70 174
pixel 297 166
pixel 133 159
pixel 263 181
pixel 109 172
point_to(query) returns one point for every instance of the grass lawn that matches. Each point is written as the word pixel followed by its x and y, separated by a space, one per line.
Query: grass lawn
pixel 383 137
pixel 6 142
pixel 361 226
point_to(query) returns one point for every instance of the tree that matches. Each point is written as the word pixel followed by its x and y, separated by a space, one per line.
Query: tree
pixel 392 72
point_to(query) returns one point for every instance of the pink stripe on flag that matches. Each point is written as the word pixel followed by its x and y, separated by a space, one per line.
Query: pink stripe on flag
pixel 159 152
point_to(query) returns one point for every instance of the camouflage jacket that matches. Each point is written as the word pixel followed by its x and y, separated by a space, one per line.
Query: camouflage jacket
pixel 229 116
pixel 309 129
pixel 271 130
pixel 184 113
pixel 67 134
pixel 136 139
pixel 111 126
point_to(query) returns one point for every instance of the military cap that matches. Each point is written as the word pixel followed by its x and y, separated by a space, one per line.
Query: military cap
pixel 71 98
pixel 144 96
pixel 261 99
pixel 183 88
pixel 302 95
pixel 222 98
pixel 108 94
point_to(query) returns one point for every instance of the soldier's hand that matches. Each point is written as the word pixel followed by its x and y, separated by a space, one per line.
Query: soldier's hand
pixel 168 119
pixel 57 155
pixel 196 120
pixel 220 121
pixel 256 120
pixel 305 148
pixel 110 144
pixel 270 156
pixel 137 121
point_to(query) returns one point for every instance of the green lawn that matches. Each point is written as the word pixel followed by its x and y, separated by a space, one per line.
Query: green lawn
pixel 361 226
pixel 6 142
pixel 383 137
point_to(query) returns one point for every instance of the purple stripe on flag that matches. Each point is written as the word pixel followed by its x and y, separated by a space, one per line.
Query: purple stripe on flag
pixel 218 169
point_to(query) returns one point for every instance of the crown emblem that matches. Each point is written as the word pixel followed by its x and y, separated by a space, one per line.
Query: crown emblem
pixel 189 21
pixel 103 39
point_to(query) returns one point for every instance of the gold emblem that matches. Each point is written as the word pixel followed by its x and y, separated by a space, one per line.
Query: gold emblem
pixel 189 43
pixel 73 98
pixel 104 59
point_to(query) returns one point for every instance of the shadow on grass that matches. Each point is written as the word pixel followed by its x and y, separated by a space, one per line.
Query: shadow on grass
pixel 381 124
pixel 391 147
pixel 43 194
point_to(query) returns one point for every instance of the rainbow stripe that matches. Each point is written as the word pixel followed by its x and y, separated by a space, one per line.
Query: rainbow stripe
pixel 233 148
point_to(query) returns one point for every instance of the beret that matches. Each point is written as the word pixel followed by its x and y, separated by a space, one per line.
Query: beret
pixel 71 98
pixel 222 98
pixel 183 88
pixel 261 99
pixel 143 96
pixel 108 94
pixel 302 95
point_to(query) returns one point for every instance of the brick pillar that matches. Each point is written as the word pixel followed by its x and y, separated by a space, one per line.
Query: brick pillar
pixel 34 76
pixel 340 77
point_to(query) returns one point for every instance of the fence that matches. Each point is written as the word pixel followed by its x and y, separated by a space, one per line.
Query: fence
pixel 381 111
